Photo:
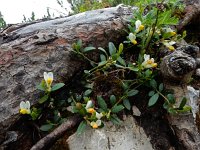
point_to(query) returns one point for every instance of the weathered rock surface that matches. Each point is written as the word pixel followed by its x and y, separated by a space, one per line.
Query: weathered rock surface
pixel 180 64
pixel 184 125
pixel 26 51
pixel 128 136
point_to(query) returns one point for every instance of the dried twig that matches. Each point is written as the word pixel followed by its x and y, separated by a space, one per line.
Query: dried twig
pixel 51 138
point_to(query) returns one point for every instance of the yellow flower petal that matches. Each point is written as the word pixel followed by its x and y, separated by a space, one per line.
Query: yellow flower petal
pixel 173 33
pixel 95 126
pixel 141 27
pixel 171 48
pixel 134 42
pixel 154 65
pixel 49 81
pixel 91 110
pixel 24 111
pixel 149 61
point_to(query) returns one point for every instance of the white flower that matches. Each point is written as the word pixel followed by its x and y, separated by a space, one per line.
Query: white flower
pixel 138 26
pixel 132 38
pixel 48 77
pixel 169 44
pixel 148 62
pixel 89 104
pixel 95 124
pixel 89 108
pixel 99 115
pixel 25 107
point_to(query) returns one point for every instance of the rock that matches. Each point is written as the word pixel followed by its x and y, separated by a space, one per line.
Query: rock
pixel 136 111
pixel 193 96
pixel 27 50
pixel 184 125
pixel 128 136
pixel 180 64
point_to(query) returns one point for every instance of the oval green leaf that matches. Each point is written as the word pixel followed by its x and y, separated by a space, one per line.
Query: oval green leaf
pixel 127 104
pixel 132 92
pixel 57 86
pixel 153 99
pixel 101 102
pixel 46 127
pixel 117 108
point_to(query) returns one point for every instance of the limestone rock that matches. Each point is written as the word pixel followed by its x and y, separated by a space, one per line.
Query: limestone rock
pixel 128 136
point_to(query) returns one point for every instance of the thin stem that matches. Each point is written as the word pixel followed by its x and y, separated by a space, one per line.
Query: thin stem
pixel 162 96
pixel 151 34
pixel 123 97
pixel 87 58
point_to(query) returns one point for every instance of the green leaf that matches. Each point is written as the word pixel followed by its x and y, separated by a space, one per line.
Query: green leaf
pixel 166 19
pixel 151 93
pixel 35 113
pixel 102 103
pixel 57 86
pixel 115 57
pixel 183 102
pixel 115 119
pixel 74 109
pixel 187 108
pixel 112 99
pixel 87 92
pixel 171 98
pixel 79 44
pixel 153 99
pixel 87 49
pixel 46 127
pixel 86 72
pixel 125 86
pixel 43 99
pixel 172 110
pixel 102 63
pixel 41 86
pixel 112 48
pixel 103 57
pixel 121 47
pixel 153 83
pixel 132 93
pixel 103 50
pixel 184 34
pixel 81 127
pixel 117 108
pixel 161 87
pixel 127 104
pixel 133 67
pixel 166 105
pixel 148 73
pixel 121 61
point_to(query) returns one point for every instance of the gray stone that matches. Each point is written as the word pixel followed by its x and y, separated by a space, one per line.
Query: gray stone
pixel 180 64
pixel 128 136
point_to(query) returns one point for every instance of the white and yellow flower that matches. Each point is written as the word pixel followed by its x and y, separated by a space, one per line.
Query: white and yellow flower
pixel 172 32
pixel 95 124
pixel 99 115
pixel 48 77
pixel 148 62
pixel 138 26
pixel 132 38
pixel 169 45
pixel 89 108
pixel 25 107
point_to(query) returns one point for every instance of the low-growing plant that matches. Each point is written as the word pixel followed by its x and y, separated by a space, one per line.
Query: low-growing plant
pixel 114 79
